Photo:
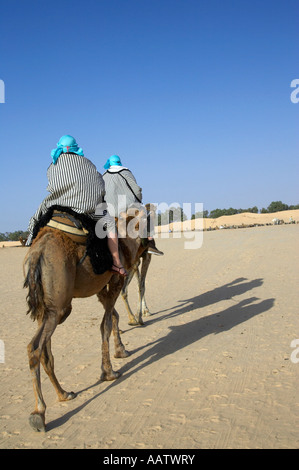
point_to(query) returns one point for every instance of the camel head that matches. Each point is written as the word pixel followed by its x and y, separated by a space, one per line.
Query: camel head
pixel 132 224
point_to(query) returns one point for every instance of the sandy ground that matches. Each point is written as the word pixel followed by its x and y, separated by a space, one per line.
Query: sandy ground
pixel 212 368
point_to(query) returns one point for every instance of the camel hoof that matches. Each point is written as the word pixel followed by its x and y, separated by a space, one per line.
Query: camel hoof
pixel 146 313
pixel 122 354
pixel 69 396
pixel 108 376
pixel 37 422
pixel 136 323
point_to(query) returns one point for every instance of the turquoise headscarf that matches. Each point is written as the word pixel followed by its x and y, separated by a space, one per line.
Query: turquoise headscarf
pixel 114 160
pixel 66 144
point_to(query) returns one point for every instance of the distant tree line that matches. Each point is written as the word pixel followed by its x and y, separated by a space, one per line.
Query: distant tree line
pixel 278 206
pixel 13 236
pixel 176 214
pixel 275 206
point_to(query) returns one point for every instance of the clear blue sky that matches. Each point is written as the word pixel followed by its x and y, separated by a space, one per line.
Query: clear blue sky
pixel 194 95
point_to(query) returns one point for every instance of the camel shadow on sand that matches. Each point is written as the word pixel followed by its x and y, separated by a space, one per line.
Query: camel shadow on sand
pixel 225 292
pixel 180 336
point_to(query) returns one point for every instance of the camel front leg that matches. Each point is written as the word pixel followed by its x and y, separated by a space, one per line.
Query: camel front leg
pixel 120 350
pixel 108 297
pixel 106 327
pixel 138 317
pixel 124 293
pixel 143 309
pixel 143 305
pixel 146 260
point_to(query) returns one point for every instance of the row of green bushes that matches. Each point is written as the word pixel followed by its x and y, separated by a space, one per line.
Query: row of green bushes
pixel 275 206
pixel 13 236
pixel 176 214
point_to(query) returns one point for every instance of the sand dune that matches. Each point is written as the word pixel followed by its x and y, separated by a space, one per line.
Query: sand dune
pixel 214 367
pixel 233 221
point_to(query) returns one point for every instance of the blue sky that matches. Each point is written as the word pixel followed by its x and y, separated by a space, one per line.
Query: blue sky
pixel 194 95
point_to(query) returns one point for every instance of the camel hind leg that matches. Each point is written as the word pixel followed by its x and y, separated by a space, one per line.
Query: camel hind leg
pixel 47 361
pixel 35 350
pixel 39 351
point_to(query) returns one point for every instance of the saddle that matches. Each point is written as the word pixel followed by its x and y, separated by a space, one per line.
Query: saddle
pixel 68 224
pixel 81 229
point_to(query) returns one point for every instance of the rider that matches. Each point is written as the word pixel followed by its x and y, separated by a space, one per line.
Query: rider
pixel 122 192
pixel 74 182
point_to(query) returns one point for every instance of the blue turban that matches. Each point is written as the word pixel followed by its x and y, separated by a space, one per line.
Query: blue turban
pixel 113 160
pixel 66 144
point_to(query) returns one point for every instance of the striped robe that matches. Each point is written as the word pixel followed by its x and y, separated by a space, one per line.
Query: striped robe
pixel 121 189
pixel 73 182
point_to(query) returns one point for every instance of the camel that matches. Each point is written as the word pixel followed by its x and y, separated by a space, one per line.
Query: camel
pixel 57 272
pixel 22 241
pixel 140 273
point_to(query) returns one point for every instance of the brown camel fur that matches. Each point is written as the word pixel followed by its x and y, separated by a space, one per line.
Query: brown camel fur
pixel 55 275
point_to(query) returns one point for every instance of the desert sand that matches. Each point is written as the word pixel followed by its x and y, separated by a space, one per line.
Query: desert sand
pixel 214 367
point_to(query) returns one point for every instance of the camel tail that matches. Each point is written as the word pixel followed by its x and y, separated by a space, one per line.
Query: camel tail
pixel 33 281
